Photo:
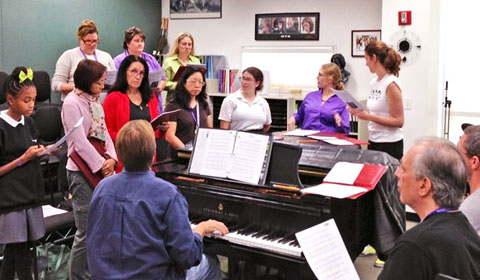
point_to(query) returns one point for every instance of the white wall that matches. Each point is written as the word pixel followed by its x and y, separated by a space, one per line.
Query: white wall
pixel 419 79
pixel 236 28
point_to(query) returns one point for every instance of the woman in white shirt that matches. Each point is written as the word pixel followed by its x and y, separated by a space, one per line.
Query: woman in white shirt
pixel 385 104
pixel 62 81
pixel 244 110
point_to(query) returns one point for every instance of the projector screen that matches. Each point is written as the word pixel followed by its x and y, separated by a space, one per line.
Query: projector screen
pixel 288 67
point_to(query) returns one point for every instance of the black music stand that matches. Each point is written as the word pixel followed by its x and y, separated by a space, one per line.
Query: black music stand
pixel 283 167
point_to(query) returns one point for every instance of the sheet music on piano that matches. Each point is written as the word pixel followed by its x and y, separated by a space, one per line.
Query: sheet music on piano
pixel 326 253
pixel 231 154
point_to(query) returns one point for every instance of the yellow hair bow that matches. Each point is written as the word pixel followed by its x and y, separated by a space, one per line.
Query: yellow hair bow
pixel 22 76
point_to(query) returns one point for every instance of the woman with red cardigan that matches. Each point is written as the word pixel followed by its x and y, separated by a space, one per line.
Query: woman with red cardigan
pixel 130 98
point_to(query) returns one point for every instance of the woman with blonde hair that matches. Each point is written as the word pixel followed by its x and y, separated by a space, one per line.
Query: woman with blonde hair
pixel 182 53
pixel 88 40
pixel 323 110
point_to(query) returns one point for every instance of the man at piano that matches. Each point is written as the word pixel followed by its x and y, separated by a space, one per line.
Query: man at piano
pixel 431 179
pixel 138 224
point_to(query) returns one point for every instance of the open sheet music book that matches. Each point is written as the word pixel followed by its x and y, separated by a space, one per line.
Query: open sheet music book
pixel 348 180
pixel 231 154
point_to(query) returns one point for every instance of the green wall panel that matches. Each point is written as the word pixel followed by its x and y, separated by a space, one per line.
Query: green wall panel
pixel 36 32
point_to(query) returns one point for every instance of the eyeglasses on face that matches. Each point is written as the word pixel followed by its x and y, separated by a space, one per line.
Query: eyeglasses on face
pixel 136 73
pixel 194 82
pixel 247 80
pixel 91 42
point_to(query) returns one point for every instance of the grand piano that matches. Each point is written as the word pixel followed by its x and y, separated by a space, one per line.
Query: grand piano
pixel 263 219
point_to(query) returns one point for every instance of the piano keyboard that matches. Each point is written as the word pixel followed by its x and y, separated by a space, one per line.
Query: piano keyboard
pixel 255 240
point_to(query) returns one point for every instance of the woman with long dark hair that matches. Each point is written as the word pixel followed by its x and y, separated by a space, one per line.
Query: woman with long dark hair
pixel 130 97
pixel 191 98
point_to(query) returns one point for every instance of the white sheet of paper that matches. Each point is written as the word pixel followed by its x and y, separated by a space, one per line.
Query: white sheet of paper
pixel 323 138
pixel 155 77
pixel 49 210
pixel 248 157
pixel 325 252
pixel 218 146
pixel 344 173
pixel 300 132
pixel 111 77
pixel 334 190
pixel 63 139
pixel 338 142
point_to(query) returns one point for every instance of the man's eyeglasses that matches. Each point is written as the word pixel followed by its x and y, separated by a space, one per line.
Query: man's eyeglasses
pixel 136 73
pixel 91 42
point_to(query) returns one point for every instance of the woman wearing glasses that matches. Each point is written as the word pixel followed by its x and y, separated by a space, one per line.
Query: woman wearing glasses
pixel 244 110
pixel 130 98
pixel 134 44
pixel 191 98
pixel 87 35
pixel 182 53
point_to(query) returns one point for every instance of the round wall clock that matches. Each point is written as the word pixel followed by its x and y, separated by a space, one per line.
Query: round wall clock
pixel 407 44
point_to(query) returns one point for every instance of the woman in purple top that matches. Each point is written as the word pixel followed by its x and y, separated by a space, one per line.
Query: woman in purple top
pixel 323 110
pixel 134 44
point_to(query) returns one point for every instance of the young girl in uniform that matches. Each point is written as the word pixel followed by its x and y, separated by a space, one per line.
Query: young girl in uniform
pixel 21 183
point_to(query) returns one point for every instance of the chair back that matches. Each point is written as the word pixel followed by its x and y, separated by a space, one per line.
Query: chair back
pixel 49 123
pixel 3 76
pixel 41 79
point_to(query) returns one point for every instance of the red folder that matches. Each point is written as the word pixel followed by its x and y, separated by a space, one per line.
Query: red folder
pixel 201 67
pixel 92 178
pixel 367 178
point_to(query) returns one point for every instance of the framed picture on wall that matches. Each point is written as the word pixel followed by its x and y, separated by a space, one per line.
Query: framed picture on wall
pixel 361 38
pixel 287 26
pixel 187 9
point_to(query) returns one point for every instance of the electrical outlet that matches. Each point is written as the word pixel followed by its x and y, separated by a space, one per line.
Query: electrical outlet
pixel 407 102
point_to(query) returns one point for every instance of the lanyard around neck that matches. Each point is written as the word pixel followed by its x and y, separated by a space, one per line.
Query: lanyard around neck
pixel 437 211
pixel 197 118
pixel 94 55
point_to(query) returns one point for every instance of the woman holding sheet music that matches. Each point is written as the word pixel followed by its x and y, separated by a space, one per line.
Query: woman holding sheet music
pixel 191 98
pixel 88 40
pixel 244 110
pixel 130 98
pixel 385 105
pixel 182 53
pixel 84 160
pixel 323 110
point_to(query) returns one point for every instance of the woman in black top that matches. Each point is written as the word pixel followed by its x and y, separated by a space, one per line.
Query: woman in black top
pixel 191 98
pixel 21 183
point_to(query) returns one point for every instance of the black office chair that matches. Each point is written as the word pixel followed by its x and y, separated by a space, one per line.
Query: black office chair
pixel 41 79
pixel 3 99
pixel 48 121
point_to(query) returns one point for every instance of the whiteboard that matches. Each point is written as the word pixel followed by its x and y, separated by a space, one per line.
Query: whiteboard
pixel 288 67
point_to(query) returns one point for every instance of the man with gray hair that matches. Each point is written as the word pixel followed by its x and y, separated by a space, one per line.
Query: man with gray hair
pixel 431 179
pixel 469 147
